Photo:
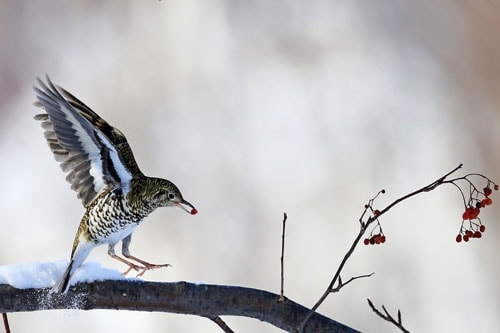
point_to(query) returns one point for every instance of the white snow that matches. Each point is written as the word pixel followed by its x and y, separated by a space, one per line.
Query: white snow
pixel 46 274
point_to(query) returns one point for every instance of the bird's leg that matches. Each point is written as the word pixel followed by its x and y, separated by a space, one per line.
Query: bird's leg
pixel 131 265
pixel 146 265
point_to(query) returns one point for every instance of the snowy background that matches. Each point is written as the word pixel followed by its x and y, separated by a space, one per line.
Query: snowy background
pixel 256 108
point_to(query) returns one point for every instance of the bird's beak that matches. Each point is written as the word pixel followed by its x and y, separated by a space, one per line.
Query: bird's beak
pixel 187 207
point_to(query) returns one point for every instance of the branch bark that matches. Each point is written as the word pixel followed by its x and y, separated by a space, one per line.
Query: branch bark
pixel 180 297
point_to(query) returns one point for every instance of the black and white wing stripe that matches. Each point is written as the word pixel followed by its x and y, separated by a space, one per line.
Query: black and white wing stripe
pixel 95 154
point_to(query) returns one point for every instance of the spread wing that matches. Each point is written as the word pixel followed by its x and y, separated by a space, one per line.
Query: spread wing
pixel 95 155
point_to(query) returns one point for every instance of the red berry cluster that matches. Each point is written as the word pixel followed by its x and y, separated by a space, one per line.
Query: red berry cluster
pixel 375 239
pixel 471 214
pixel 468 234
pixel 376 235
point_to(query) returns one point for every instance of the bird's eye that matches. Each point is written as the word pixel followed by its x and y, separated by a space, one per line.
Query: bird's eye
pixel 171 196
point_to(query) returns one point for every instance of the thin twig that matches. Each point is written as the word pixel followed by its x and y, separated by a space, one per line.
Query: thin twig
pixel 6 322
pixel 282 296
pixel 363 228
pixel 427 188
pixel 335 277
pixel 398 323
pixel 341 284
pixel 218 320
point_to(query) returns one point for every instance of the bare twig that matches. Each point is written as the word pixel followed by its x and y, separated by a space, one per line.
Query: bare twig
pixel 427 188
pixel 398 323
pixel 221 324
pixel 363 228
pixel 282 296
pixel 6 322
pixel 335 278
pixel 341 284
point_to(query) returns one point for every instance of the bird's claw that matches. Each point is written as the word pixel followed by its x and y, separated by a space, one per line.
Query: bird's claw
pixel 148 267
pixel 143 269
pixel 134 267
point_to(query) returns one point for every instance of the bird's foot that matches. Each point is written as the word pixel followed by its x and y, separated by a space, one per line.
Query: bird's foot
pixel 134 267
pixel 131 265
pixel 148 266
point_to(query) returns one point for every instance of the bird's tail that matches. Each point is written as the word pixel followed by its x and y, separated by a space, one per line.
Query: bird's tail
pixel 62 285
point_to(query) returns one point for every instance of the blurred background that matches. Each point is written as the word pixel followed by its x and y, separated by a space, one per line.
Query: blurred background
pixel 258 108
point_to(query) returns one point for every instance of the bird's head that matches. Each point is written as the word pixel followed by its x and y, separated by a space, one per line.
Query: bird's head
pixel 164 193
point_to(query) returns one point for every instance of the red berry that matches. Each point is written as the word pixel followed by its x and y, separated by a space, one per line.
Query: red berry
pixel 366 241
pixel 468 233
pixel 382 239
pixel 376 212
pixel 474 212
pixel 477 234
pixel 482 228
pixel 466 238
pixel 488 201
pixel 487 191
pixel 458 238
pixel 470 213
pixel 495 187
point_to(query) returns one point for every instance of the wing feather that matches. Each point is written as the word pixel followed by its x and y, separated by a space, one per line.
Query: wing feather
pixel 88 148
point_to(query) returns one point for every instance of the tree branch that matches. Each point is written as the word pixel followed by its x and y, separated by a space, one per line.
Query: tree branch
pixel 387 316
pixel 427 188
pixel 204 300
pixel 282 289
pixel 341 284
pixel 221 324
pixel 363 228
pixel 5 322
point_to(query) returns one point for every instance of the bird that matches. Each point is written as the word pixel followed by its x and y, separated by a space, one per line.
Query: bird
pixel 101 168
